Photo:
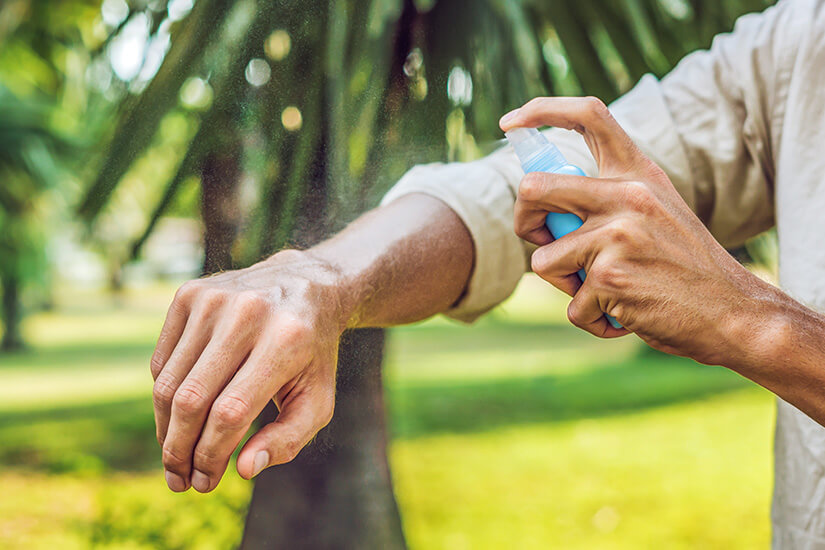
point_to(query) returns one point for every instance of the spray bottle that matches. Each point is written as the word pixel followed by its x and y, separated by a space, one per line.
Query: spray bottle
pixel 537 154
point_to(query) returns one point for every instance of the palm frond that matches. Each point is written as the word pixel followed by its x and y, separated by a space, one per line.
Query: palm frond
pixel 138 125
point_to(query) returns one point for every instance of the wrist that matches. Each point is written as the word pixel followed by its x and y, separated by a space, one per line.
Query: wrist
pixel 328 285
pixel 761 334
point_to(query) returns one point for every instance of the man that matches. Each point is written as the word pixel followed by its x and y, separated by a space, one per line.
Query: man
pixel 733 134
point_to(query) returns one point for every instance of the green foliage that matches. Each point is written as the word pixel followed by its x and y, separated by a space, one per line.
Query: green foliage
pixel 136 516
pixel 764 251
pixel 32 149
pixel 371 86
pixel 27 169
pixel 521 431
pixel 380 85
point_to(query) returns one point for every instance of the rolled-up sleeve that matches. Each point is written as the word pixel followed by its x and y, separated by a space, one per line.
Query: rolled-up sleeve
pixel 706 124
pixel 483 198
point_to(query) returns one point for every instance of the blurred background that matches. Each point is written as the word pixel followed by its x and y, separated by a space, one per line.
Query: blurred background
pixel 145 142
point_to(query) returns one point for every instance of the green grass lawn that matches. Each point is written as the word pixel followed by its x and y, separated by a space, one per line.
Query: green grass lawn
pixel 519 432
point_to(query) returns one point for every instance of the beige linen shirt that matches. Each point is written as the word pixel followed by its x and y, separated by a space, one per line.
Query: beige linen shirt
pixel 741 133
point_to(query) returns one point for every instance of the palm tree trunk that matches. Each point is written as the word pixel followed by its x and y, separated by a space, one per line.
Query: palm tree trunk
pixel 220 209
pixel 12 314
pixel 338 492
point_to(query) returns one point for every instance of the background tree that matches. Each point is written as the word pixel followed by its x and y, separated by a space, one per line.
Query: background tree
pixel 36 117
pixel 26 171
pixel 29 149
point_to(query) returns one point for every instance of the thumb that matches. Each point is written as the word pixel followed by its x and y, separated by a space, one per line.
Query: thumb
pixel 280 441
pixel 614 151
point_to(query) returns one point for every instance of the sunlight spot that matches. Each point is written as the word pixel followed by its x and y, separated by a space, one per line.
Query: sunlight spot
pixel 678 9
pixel 277 45
pixel 291 118
pixel 178 9
pixel 555 58
pixel 155 53
pixel 128 47
pixel 258 72
pixel 196 94
pixel 460 86
pixel 114 12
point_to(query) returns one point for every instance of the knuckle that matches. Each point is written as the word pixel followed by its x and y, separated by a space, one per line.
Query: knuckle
pixel 250 301
pixel 532 187
pixel 596 107
pixel 163 391
pixel 295 331
pixel 289 255
pixel 212 298
pixel 232 412
pixel 538 261
pixel 610 277
pixel 621 231
pixel 156 364
pixel 206 460
pixel 290 447
pixel 188 291
pixel 521 229
pixel 326 416
pixel 574 314
pixel 640 198
pixel 521 223
pixel 173 460
pixel 190 398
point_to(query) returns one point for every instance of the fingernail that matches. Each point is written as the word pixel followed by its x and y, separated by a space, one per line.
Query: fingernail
pixel 175 482
pixel 261 461
pixel 200 481
pixel 508 117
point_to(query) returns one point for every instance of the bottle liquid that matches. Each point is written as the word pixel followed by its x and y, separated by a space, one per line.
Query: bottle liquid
pixel 537 154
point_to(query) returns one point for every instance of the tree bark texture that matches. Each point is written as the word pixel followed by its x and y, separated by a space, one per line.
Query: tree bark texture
pixel 220 208
pixel 12 315
pixel 337 494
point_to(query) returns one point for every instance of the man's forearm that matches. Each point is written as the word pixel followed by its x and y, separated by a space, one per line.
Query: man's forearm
pixel 400 263
pixel 781 346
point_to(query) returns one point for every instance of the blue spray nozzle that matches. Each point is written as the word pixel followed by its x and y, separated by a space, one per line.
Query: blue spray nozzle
pixel 534 151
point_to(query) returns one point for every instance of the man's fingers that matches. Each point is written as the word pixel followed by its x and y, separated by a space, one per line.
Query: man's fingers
pixel 193 399
pixel 171 332
pixel 229 419
pixel 280 441
pixel 541 192
pixel 584 312
pixel 612 148
pixel 557 261
pixel 194 339
pixel 265 372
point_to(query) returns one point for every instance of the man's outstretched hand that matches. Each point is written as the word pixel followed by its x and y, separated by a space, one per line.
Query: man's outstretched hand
pixel 650 262
pixel 232 342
